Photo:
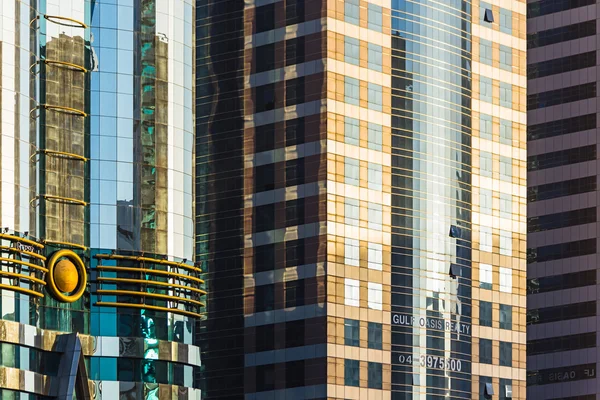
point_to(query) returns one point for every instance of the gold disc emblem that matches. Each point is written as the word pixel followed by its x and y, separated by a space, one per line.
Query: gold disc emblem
pixel 66 277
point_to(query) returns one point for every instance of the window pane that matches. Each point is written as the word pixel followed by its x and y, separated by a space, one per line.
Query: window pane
pixel 351 332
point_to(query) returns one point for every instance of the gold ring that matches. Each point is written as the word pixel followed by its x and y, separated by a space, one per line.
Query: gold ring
pixel 82 275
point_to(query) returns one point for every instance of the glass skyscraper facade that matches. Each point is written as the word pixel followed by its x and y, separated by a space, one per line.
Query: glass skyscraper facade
pixel 97 216
pixel 360 198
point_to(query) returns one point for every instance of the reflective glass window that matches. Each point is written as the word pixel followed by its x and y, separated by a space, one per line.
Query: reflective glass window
pixel 375 216
pixel 505 57
pixel 375 19
pixel 375 133
pixel 351 50
pixel 485 89
pixel 375 97
pixel 374 371
pixel 505 21
pixel 351 252
pixel 485 52
pixel 485 126
pixel 485 201
pixel 506 133
pixel 485 351
pixel 351 332
pixel 506 168
pixel 351 131
pixel 352 292
pixel 351 372
pixel 506 354
pixel 505 94
pixel 485 276
pixel 352 11
pixel 485 164
pixel 351 91
pixel 351 171
pixel 375 254
pixel 505 316
pixel 374 335
pixel 375 296
pixel 374 176
pixel 374 57
pixel 485 313
pixel 351 211
pixel 506 281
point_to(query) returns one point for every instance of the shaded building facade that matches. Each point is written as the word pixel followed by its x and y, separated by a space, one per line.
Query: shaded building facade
pixel 360 203
pixel 97 270
pixel 562 199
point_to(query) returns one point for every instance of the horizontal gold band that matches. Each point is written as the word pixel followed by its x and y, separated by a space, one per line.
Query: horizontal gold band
pixel 147 259
pixel 149 271
pixel 152 283
pixel 154 295
pixel 66 64
pixel 61 154
pixel 30 265
pixel 21 290
pixel 17 251
pixel 59 199
pixel 57 19
pixel 64 109
pixel 64 244
pixel 157 308
pixel 20 239
pixel 21 276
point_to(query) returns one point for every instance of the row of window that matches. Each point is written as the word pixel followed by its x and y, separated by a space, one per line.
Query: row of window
pixel 352 173
pixel 561 127
pixel 265 15
pixel 562 34
pixel 352 214
pixel 352 133
pixel 486 17
pixel 562 157
pixel 295 295
pixel 352 294
pixel 294 54
pixel 486 201
pixel 486 54
pixel 486 129
pixel 352 53
pixel 352 93
pixel 560 189
pixel 560 65
pixel 561 313
pixel 296 132
pixel 561 250
pixel 295 252
pixel 485 352
pixel 486 91
pixel 561 220
pixel 352 374
pixel 561 96
pixel 486 389
pixel 352 254
pixel 486 278
pixel 352 334
pixel 264 175
pixel 560 282
pixel 545 7
pixel 374 14
pixel 486 164
pixel 561 343
pixel 485 315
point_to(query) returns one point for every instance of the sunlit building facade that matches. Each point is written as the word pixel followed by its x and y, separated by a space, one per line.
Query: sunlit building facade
pixel 361 198
pixel 100 291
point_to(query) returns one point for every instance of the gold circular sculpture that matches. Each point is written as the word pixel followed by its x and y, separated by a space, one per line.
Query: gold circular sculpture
pixel 66 277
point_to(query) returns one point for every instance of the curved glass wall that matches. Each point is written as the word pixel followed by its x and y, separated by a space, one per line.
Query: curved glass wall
pixel 431 199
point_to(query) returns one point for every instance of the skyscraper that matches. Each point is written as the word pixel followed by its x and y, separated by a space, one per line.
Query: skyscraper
pixel 562 196
pixel 361 198
pixel 99 290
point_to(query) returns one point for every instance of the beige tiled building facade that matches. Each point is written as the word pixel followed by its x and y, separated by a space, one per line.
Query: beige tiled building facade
pixel 362 180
